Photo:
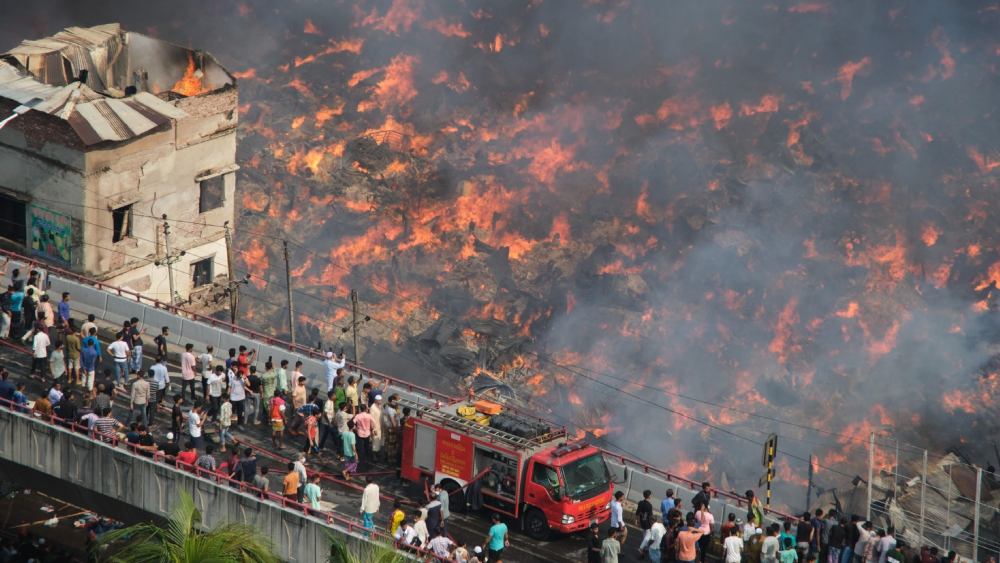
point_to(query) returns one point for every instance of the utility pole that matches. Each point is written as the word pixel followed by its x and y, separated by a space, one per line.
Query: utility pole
pixel 809 489
pixel 923 491
pixel 976 515
pixel 234 294
pixel 169 260
pixel 288 284
pixel 871 467
pixel 767 460
pixel 354 325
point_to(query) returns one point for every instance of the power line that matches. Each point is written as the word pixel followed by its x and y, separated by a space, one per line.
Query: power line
pixel 571 368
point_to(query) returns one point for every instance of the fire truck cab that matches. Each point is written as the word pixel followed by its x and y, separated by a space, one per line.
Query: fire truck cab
pixel 515 464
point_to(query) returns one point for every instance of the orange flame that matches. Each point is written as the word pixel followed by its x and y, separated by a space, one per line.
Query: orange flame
pixel 846 75
pixel 396 87
pixel 721 114
pixel 257 262
pixel 190 84
pixel 930 234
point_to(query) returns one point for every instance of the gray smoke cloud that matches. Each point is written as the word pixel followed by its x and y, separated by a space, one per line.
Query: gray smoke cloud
pixel 741 224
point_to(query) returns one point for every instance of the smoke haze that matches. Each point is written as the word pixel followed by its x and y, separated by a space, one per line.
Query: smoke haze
pixel 779 207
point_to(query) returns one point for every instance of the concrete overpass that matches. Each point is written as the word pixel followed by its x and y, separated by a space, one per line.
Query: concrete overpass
pixel 109 479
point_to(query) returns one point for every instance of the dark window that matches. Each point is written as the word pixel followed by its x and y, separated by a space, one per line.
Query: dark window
pixel 202 272
pixel 12 220
pixel 545 476
pixel 122 223
pixel 213 193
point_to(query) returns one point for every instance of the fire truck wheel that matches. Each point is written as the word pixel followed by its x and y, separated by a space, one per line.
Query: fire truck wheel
pixel 535 524
pixel 456 495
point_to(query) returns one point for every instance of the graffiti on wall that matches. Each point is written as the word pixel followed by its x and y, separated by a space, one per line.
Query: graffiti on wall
pixel 51 234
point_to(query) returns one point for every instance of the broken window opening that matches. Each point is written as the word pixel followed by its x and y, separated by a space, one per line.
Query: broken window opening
pixel 213 193
pixel 201 271
pixel 122 219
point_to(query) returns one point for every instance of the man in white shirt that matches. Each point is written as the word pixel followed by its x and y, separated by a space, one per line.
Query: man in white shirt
pixel 195 423
pixel 40 353
pixel 618 515
pixel 162 378
pixel 864 536
pixel 886 544
pixel 205 361
pixel 85 328
pixel 652 538
pixel 370 503
pixel 237 395
pixel 332 364
pixel 770 548
pixel 119 351
pixel 733 547
pixel 215 381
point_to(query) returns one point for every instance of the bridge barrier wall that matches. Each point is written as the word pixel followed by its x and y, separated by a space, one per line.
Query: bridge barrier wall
pixel 152 486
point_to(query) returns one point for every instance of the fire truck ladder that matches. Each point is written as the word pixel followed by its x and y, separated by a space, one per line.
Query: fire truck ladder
pixel 474 427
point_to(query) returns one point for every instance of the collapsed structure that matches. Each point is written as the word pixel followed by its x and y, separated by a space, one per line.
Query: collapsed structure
pixel 121 164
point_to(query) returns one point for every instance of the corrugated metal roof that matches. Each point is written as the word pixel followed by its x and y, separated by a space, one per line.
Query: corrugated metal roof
pixel 95 116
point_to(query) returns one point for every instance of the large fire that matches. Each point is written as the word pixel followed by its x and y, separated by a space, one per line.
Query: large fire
pixel 726 209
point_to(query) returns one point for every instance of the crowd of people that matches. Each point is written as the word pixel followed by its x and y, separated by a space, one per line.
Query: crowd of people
pixel 353 423
pixel 677 534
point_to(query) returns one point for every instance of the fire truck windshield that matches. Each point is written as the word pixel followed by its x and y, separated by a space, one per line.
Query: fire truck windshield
pixel 586 477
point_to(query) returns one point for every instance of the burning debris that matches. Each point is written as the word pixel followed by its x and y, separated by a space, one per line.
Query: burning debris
pixel 772 208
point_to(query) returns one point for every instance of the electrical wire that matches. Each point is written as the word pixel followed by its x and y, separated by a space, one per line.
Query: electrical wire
pixel 575 369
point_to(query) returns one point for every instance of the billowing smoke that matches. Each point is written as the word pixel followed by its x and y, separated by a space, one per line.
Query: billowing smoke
pixel 661 214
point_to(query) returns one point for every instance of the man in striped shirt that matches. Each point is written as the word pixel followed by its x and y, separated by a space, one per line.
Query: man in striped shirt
pixel 106 426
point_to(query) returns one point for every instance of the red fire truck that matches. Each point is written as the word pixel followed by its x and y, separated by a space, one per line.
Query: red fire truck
pixel 517 465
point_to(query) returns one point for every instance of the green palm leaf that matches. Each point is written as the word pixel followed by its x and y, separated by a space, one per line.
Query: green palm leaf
pixel 181 542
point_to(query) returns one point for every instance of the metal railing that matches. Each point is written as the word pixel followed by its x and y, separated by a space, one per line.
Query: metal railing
pixel 114 440
pixel 27 263
pixel 933 500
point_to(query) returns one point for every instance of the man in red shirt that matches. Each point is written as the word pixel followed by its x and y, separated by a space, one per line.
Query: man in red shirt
pixel 187 458
pixel 363 429
pixel 243 361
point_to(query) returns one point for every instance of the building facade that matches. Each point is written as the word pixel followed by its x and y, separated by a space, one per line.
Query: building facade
pixel 123 130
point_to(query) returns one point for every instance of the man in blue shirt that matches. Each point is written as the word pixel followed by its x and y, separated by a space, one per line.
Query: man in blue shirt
pixel 667 505
pixel 16 310
pixel 6 388
pixel 64 309
pixel 92 338
pixel 496 539
pixel 88 363
pixel 20 399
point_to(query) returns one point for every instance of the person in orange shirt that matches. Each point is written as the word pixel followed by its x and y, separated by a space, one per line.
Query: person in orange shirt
pixel 291 483
pixel 687 542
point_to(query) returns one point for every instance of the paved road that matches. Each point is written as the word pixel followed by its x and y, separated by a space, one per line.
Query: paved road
pixel 344 497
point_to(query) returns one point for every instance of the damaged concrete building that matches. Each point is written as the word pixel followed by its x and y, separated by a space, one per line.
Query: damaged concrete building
pixel 110 131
